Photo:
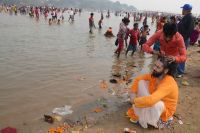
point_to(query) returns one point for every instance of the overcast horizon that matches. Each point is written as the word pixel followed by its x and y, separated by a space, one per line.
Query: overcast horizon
pixel 160 5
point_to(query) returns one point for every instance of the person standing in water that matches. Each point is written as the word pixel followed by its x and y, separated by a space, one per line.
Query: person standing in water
pixel 91 22
pixel 134 35
pixel 102 16
pixel 144 32
pixel 121 35
pixel 37 12
pixel 71 15
pixel 100 23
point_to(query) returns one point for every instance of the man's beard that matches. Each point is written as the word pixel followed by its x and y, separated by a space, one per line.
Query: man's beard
pixel 157 74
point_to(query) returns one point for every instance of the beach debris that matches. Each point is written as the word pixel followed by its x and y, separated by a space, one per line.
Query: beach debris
pixel 121 81
pixel 91 120
pixel 129 81
pixel 48 118
pixel 81 78
pixel 24 124
pixel 57 118
pixel 179 118
pixel 180 122
pixel 116 75
pixel 114 81
pixel 102 102
pixel 97 110
pixel 133 65
pixel 128 130
pixel 185 83
pixel 75 132
pixel 103 84
pixel 86 122
pixel 69 122
pixel 63 110
pixel 111 91
pixel 59 129
pixel 9 130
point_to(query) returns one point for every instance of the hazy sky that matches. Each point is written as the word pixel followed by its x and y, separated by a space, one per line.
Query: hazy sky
pixel 163 5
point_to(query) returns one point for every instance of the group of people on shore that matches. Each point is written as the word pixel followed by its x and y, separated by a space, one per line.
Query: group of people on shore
pixel 154 96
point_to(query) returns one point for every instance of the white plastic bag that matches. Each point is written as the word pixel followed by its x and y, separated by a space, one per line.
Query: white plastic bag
pixel 149 115
pixel 63 110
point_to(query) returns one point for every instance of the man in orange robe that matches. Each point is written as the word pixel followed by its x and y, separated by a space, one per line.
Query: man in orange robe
pixel 154 96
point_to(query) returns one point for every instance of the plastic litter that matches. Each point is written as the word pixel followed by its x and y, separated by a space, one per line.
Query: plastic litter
pixel 114 81
pixel 128 130
pixel 180 122
pixel 179 118
pixel 57 118
pixel 9 130
pixel 63 110
pixel 75 131
pixel 185 83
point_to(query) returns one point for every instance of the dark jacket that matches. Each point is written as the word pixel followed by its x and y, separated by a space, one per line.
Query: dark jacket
pixel 186 26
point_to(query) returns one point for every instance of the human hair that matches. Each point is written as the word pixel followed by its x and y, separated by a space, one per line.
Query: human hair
pixel 146 26
pixel 169 29
pixel 135 24
pixel 196 23
pixel 173 18
pixel 125 20
pixel 171 66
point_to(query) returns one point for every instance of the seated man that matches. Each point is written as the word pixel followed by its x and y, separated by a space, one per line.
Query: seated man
pixel 154 96
pixel 109 33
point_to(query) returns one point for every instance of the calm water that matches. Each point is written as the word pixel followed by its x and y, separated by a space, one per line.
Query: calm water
pixel 41 65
